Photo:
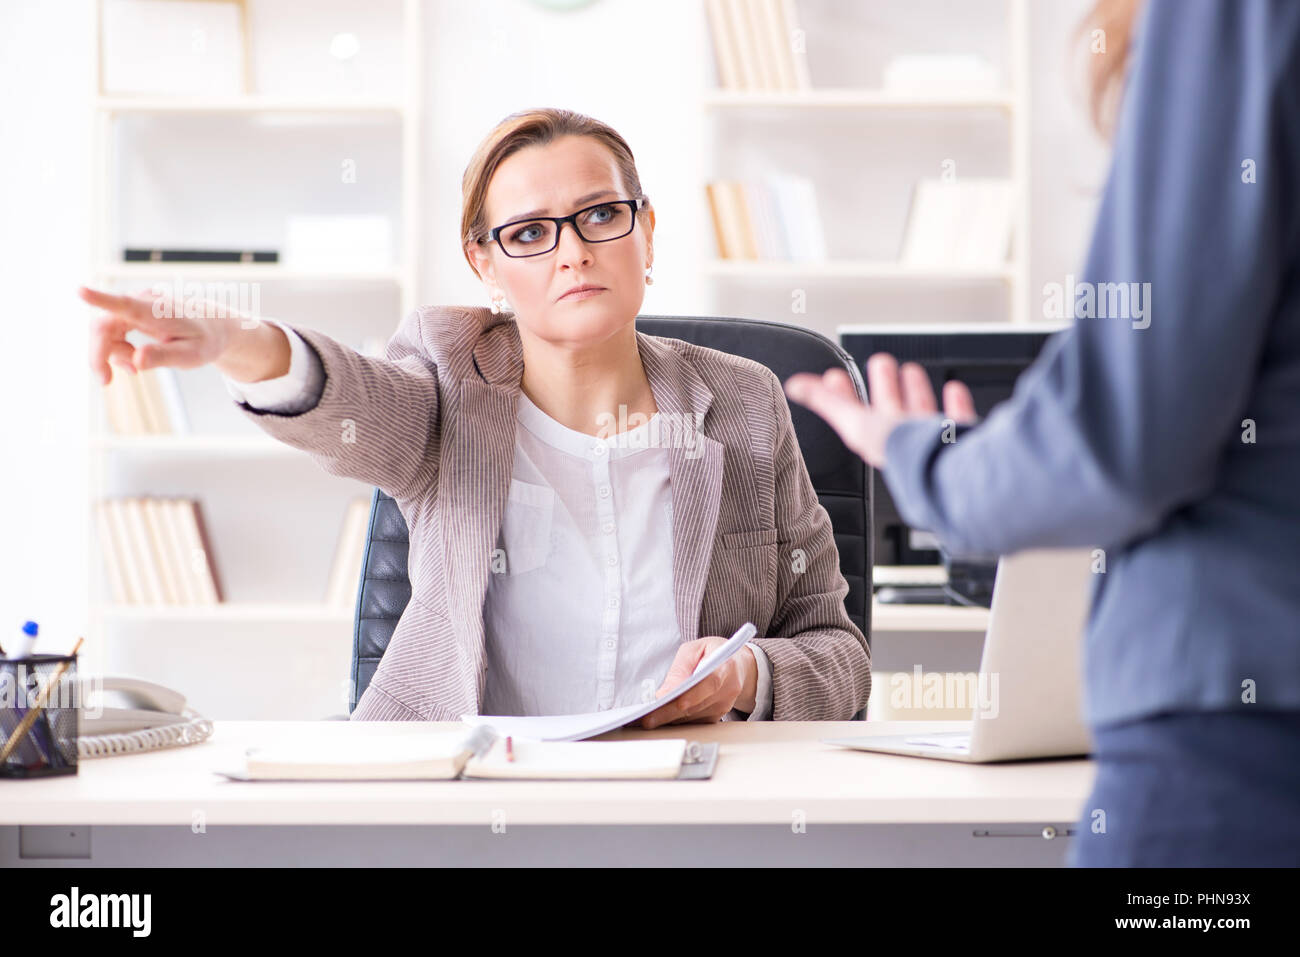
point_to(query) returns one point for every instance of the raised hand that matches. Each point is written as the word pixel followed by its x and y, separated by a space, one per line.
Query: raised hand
pixel 896 395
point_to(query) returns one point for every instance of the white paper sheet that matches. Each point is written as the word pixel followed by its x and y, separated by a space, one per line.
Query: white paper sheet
pixel 575 727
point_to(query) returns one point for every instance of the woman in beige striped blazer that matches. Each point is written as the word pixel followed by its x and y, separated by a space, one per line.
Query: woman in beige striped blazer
pixel 556 564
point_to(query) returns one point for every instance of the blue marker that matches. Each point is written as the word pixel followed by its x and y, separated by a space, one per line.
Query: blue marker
pixel 32 743
pixel 27 643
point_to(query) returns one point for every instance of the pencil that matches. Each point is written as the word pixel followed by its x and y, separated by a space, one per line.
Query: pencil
pixel 30 718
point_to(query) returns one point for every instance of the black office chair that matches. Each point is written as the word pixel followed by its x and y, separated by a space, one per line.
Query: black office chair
pixel 841 479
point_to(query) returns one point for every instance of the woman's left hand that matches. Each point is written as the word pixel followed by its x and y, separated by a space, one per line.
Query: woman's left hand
pixel 897 394
pixel 732 685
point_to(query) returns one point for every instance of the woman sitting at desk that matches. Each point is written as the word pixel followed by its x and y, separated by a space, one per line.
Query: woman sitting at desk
pixel 560 560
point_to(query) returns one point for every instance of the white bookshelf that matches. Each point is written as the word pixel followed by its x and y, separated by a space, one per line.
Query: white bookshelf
pixel 216 457
pixel 795 108
pixel 795 111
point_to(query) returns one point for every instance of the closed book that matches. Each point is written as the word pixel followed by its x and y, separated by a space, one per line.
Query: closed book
pixel 142 549
pixel 778 43
pixel 200 255
pixel 200 558
pixel 122 403
pixel 760 40
pixel 797 45
pixel 766 229
pixel 744 221
pixel 165 558
pixel 125 550
pixel 173 515
pixel 724 45
pixel 813 235
pixel 747 54
pixel 781 232
pixel 153 403
pixel 410 756
pixel 114 566
pixel 115 413
pixel 177 419
pixel 142 419
pixel 796 198
pixel 717 212
pixel 479 752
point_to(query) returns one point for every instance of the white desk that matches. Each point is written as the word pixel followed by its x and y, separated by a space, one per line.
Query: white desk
pixel 778 796
pixel 910 618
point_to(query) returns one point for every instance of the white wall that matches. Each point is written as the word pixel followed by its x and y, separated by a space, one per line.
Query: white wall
pixel 44 193
pixel 485 60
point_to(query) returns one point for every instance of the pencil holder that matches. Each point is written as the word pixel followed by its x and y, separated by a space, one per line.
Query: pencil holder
pixel 47 744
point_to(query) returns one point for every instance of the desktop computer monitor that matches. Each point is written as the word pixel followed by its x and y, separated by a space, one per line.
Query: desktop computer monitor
pixel 988 358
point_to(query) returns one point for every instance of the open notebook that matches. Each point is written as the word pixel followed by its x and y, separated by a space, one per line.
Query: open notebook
pixel 479 752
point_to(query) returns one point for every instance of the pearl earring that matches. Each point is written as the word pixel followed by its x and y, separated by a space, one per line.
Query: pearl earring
pixel 497 302
pixel 649 280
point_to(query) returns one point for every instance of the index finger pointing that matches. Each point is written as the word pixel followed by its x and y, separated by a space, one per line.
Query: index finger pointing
pixel 137 312
pixel 104 300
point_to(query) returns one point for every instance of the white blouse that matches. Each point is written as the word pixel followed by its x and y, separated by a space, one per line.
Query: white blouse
pixel 579 613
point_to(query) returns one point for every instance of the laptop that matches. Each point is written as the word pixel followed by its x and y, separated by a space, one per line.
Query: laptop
pixel 1028 701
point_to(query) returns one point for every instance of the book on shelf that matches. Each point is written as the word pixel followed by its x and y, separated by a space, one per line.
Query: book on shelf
pixel 772 218
pixel 134 255
pixel 147 402
pixel 959 224
pixel 345 573
pixel 156 551
pixel 757 45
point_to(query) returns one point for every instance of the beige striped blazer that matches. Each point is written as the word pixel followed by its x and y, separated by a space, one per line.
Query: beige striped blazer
pixel 433 425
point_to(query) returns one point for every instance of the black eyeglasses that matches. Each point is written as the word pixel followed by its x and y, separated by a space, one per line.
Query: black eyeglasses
pixel 595 224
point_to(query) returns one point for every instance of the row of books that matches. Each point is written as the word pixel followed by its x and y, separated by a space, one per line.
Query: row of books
pixel 958 224
pixel 775 217
pixel 156 552
pixel 757 45
pixel 146 403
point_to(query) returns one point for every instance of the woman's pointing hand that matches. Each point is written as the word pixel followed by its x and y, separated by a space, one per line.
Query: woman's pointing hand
pixel 181 341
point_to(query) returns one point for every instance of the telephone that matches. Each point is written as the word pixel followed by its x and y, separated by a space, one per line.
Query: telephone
pixel 119 715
